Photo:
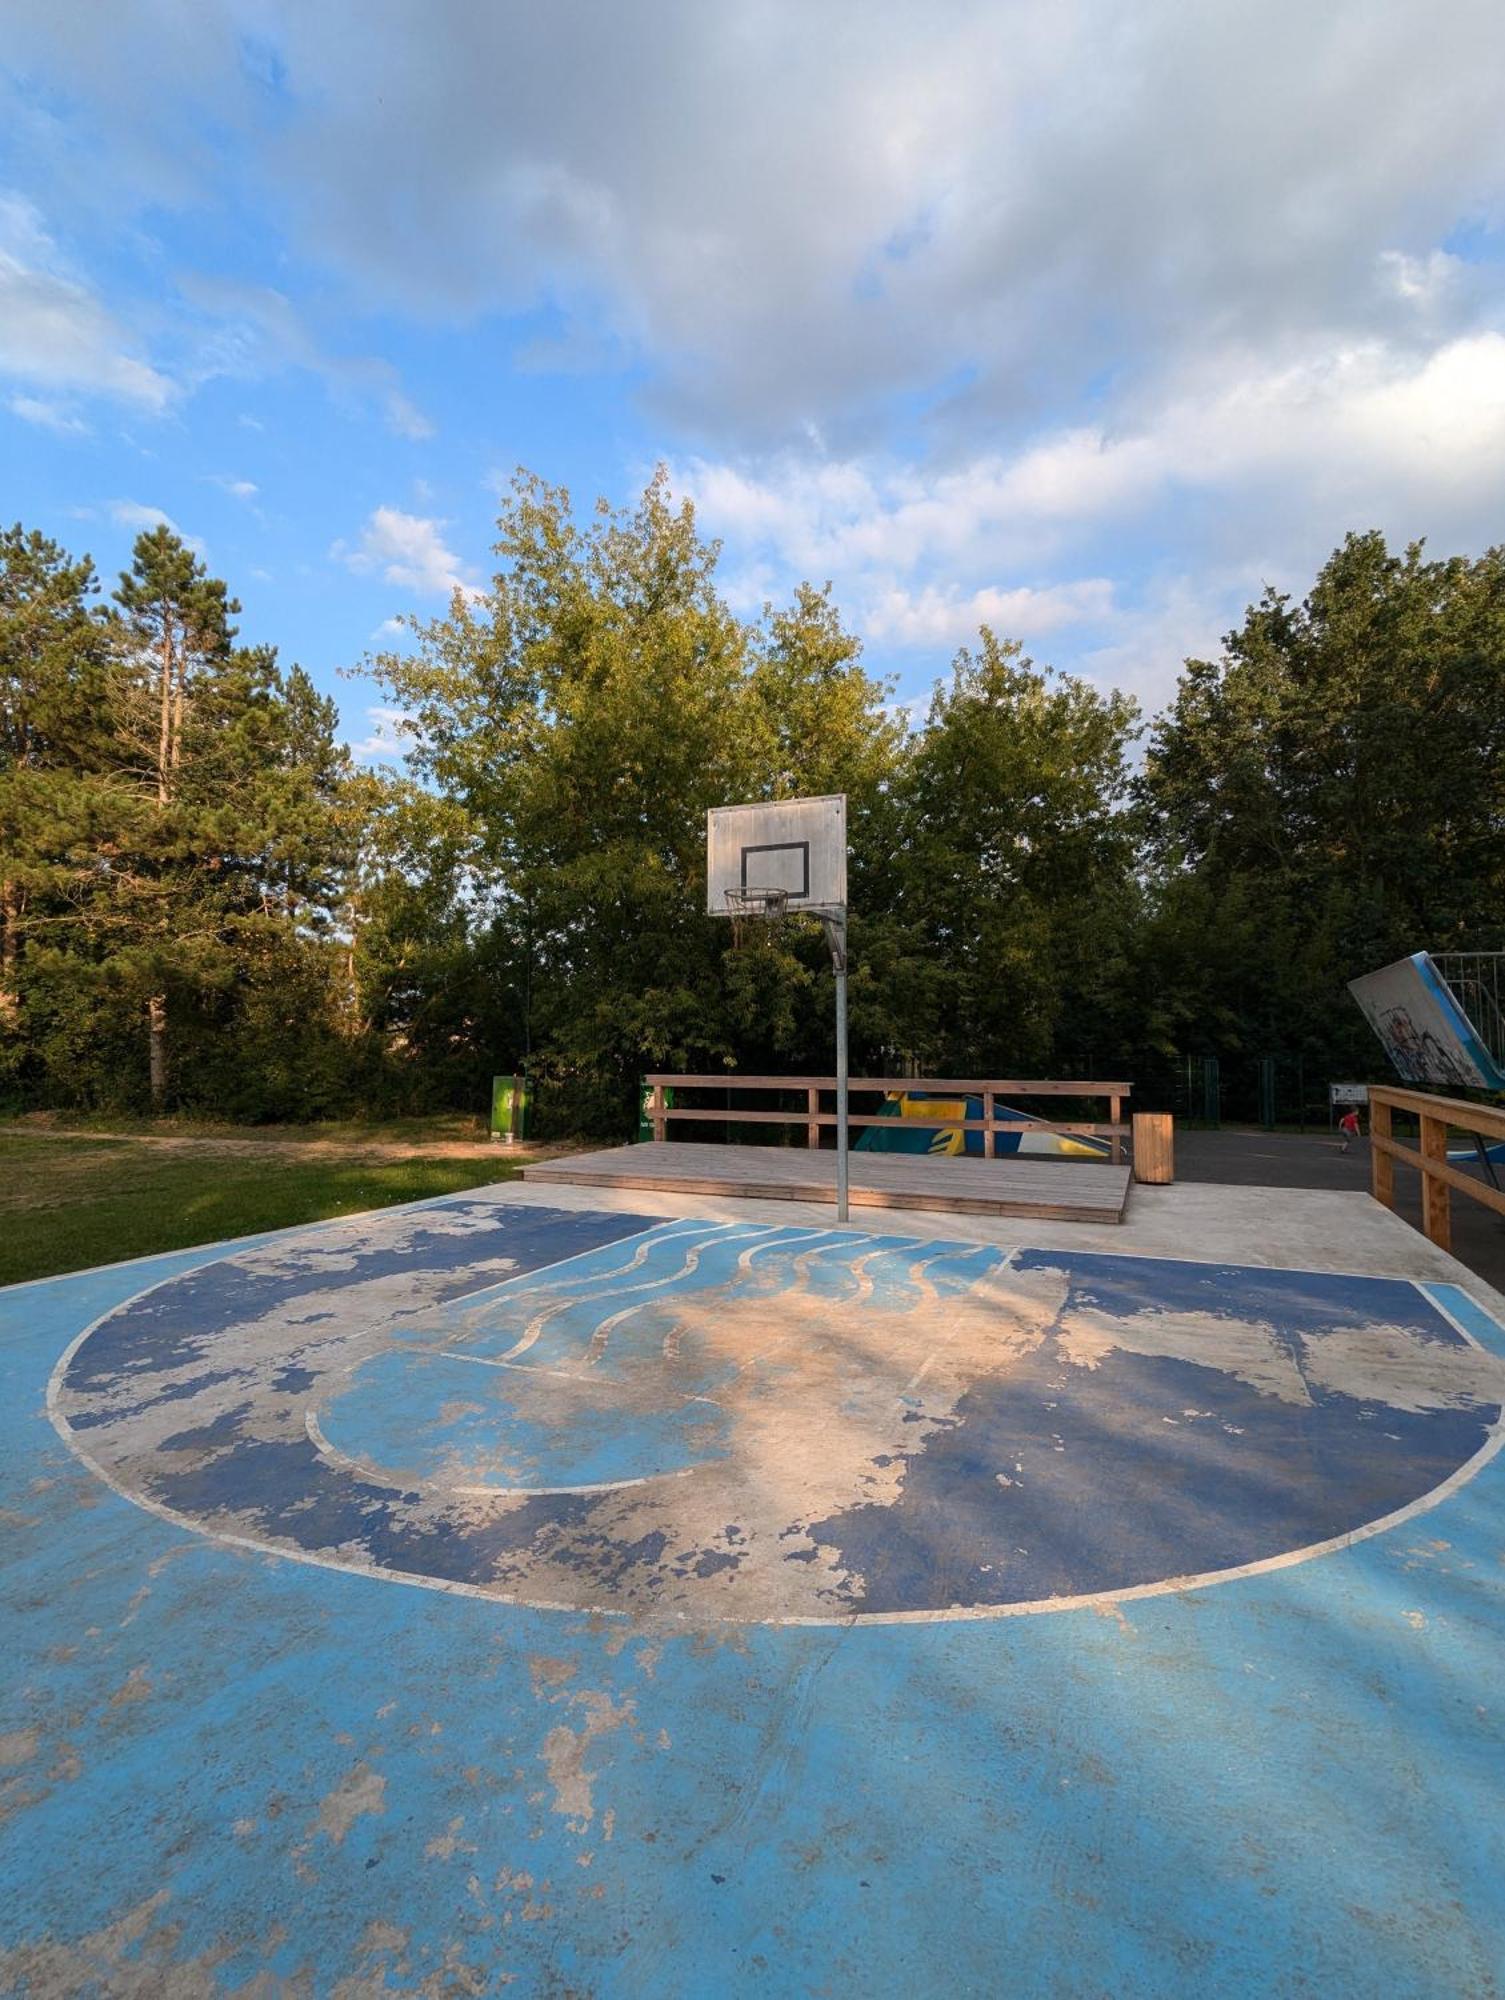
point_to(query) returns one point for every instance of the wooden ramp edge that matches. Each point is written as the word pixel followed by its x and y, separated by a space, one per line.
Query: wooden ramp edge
pixel 1048 1190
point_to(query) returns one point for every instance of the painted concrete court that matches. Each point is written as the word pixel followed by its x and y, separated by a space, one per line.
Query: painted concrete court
pixel 535 1589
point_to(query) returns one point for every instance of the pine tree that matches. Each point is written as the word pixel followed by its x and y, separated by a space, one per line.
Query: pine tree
pixel 54 743
pixel 176 625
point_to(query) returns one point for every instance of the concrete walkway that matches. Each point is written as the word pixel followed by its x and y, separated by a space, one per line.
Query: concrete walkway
pixel 1291 1160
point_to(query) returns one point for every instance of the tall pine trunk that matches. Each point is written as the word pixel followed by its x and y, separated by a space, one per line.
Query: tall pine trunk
pixel 167 756
pixel 156 1029
pixel 10 951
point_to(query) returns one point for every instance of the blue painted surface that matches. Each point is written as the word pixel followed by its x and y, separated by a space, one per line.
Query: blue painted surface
pixel 223 1765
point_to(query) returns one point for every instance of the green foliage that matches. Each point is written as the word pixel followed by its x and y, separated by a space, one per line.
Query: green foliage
pixel 1016 864
pixel 176 838
pixel 202 905
pixel 1330 795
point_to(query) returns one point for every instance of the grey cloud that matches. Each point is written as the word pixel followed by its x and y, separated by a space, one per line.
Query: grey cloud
pixel 802 214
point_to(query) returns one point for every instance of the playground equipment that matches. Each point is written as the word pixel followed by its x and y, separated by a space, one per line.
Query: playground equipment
pixel 901 1135
pixel 1420 1008
pixel 1442 1021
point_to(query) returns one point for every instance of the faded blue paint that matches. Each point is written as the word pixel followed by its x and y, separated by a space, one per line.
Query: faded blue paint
pixel 1288 1784
pixel 436 1415
pixel 565 1380
pixel 1167 1467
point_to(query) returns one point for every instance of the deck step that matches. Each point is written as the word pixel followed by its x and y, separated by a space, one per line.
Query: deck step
pixel 1056 1190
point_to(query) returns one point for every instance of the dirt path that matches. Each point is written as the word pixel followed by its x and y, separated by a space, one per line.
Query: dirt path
pixel 271 1147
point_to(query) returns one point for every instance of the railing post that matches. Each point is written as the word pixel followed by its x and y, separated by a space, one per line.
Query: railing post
pixel 1436 1200
pixel 1115 1108
pixel 812 1112
pixel 656 1112
pixel 990 1137
pixel 1381 1165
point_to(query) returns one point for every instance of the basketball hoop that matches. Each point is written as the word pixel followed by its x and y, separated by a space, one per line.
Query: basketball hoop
pixel 750 905
pixel 777 858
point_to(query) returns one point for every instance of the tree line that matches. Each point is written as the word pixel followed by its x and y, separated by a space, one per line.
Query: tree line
pixel 205 906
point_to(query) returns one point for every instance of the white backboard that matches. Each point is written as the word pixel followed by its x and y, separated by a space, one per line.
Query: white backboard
pixel 798 846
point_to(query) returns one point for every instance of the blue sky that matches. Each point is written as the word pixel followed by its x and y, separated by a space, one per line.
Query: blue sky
pixel 1082 319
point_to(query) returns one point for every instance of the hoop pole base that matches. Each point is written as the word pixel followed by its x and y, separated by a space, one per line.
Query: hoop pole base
pixel 835 927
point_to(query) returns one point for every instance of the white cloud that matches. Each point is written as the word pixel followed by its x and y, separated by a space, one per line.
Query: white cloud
pixel 254 330
pixel 48 416
pixel 136 514
pixel 947 617
pixel 1081 319
pixel 407 550
pixel 388 734
pixel 1382 430
pixel 1244 474
pixel 238 489
pixel 54 332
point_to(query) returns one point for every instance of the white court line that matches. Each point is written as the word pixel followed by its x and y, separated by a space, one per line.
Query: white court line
pixel 575 1288
pixel 647 1240
pixel 851 1620
pixel 536 1326
pixel 377 1476
pixel 785 1240
pixel 801 1263
pixel 607 1327
pixel 935 1353
pixel 525 1368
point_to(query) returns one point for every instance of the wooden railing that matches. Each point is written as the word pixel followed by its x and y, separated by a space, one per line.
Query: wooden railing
pixel 1438 1176
pixel 661 1113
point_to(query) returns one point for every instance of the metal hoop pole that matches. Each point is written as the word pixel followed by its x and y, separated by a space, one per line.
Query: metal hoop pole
pixel 836 936
pixel 841 1092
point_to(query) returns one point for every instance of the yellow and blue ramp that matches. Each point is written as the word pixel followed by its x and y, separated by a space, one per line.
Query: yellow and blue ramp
pixel 487 1595
pixel 900 1134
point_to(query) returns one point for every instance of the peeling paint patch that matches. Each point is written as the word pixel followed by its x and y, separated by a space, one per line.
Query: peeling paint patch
pixel 362 1791
pixel 564 1752
pixel 721 1422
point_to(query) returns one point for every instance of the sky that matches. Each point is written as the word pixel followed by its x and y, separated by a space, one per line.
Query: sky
pixel 1084 320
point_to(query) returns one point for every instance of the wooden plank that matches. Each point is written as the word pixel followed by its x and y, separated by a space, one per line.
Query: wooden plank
pixel 1440 1170
pixel 1115 1110
pixel 907 1124
pixel 1381 1161
pixel 1436 1201
pixel 812 1126
pixel 1047 1190
pixel 670 1182
pixel 971 1085
pixel 1486 1118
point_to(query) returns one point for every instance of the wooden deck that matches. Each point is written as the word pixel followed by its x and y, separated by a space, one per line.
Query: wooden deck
pixel 1058 1190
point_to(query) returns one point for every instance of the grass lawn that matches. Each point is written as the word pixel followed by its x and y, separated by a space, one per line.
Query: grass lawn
pixel 69 1203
